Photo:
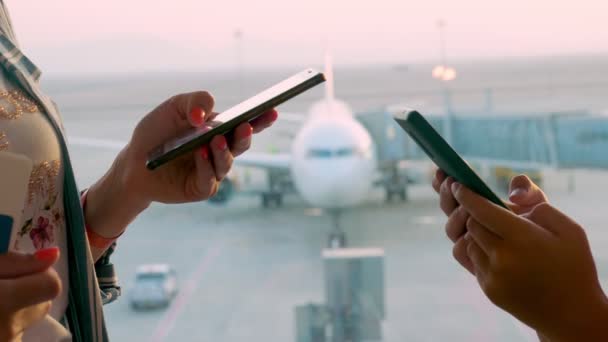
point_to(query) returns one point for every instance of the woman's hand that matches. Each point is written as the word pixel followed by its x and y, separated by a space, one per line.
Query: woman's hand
pixel 129 187
pixel 194 176
pixel 537 266
pixel 523 194
pixel 27 286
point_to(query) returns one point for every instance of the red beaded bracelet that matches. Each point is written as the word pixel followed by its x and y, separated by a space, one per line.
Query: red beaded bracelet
pixel 95 240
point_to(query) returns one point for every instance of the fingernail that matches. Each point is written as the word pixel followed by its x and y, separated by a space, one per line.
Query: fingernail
pixel 47 254
pixel 197 115
pixel 221 143
pixel 249 132
pixel 467 236
pixel 205 152
pixel 455 186
pixel 518 192
pixel 275 116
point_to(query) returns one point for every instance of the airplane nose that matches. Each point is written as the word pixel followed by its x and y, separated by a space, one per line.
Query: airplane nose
pixel 340 183
pixel 334 184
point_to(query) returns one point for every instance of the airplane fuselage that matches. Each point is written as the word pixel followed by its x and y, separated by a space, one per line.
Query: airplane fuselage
pixel 334 162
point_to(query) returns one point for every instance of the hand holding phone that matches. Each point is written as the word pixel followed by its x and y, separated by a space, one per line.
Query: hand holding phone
pixel 443 155
pixel 228 120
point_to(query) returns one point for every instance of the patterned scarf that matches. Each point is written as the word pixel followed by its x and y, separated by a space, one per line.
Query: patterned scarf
pixel 84 314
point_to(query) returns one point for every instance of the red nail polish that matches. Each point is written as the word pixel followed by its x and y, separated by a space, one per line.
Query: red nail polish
pixel 205 152
pixel 197 116
pixel 275 115
pixel 47 254
pixel 249 132
pixel 222 144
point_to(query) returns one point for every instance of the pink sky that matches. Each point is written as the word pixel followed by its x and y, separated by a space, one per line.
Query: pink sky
pixel 293 32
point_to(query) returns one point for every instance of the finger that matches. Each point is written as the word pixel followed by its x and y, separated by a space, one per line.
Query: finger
pixel 193 106
pixel 197 116
pixel 241 139
pixel 523 192
pixel 447 202
pixel 478 258
pixel 30 315
pixel 173 117
pixel 551 219
pixel 459 251
pixel 499 220
pixel 222 158
pixel 264 121
pixel 435 184
pixel 440 176
pixel 201 182
pixel 484 238
pixel 455 227
pixel 13 265
pixel 18 293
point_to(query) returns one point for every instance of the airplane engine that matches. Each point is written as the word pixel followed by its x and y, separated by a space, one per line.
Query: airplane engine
pixel 224 193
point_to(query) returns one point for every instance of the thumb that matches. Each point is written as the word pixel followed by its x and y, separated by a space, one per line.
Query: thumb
pixel 195 107
pixel 14 265
pixel 173 117
pixel 523 192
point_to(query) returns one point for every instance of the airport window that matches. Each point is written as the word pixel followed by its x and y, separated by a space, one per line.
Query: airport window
pixel 291 248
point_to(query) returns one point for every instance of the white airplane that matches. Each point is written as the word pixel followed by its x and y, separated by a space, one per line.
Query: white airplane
pixel 332 163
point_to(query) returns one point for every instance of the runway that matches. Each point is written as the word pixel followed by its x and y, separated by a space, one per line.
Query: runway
pixel 243 270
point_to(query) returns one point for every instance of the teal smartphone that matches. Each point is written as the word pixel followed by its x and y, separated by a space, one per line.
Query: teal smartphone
pixel 443 155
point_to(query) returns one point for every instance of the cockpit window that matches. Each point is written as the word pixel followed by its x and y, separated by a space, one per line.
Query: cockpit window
pixel 344 152
pixel 337 153
pixel 319 153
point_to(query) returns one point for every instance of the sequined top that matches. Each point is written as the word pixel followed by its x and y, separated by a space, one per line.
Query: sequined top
pixel 25 130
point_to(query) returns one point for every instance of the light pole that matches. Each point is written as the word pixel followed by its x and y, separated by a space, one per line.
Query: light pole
pixel 444 74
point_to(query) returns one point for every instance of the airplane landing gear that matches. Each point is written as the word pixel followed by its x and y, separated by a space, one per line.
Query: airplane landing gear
pixel 399 191
pixel 270 198
pixel 396 185
pixel 336 240
pixel 337 237
pixel 278 184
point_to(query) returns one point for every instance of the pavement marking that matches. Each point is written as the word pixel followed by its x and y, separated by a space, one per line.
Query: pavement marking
pixel 168 322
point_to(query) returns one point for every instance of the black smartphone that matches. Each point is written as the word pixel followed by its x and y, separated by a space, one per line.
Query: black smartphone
pixel 228 120
pixel 443 155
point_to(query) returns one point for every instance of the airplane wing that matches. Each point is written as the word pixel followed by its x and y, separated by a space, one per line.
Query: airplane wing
pixel 269 161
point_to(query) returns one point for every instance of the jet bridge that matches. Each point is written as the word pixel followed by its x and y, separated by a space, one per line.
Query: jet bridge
pixel 354 305
pixel 526 140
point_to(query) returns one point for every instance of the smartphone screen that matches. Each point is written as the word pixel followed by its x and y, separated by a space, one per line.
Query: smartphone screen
pixel 231 118
pixel 443 155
